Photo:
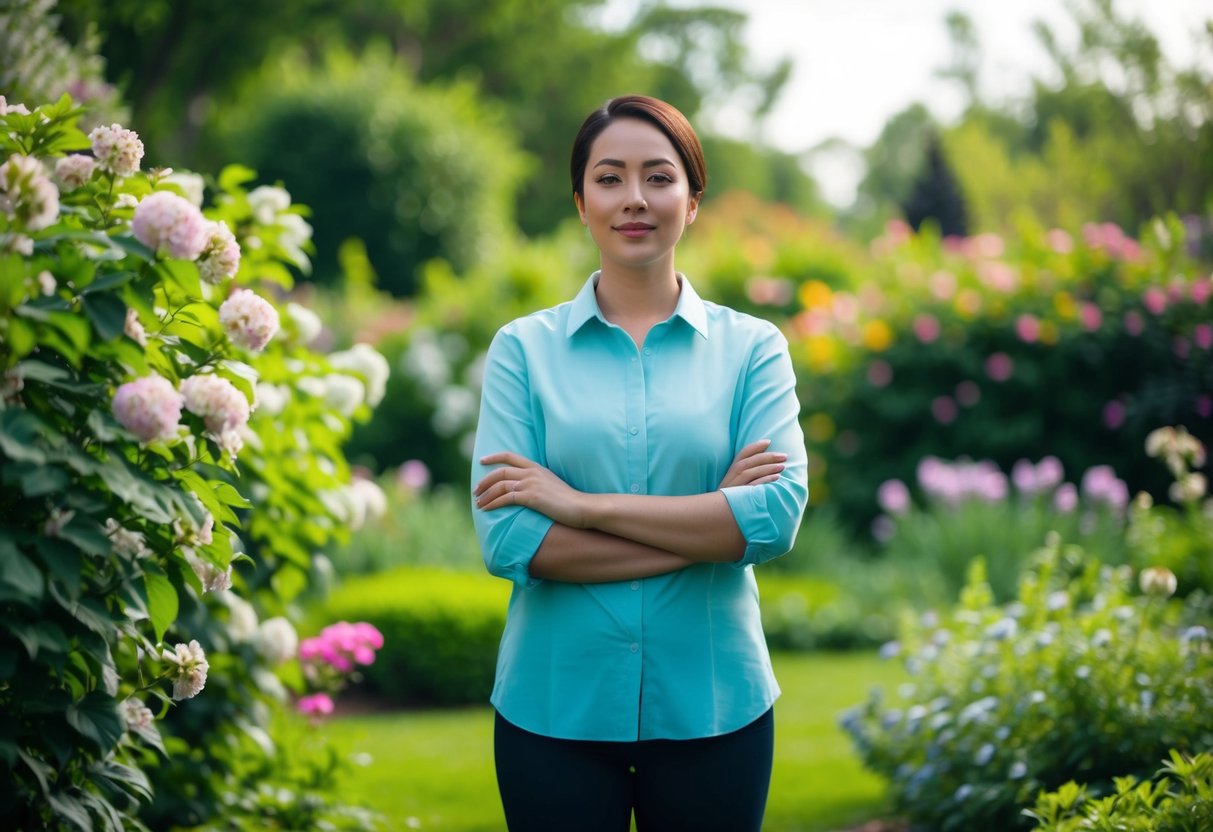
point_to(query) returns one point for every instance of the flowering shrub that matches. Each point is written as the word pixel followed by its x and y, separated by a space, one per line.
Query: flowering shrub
pixel 1083 677
pixel 131 441
pixel 1179 797
pixel 974 509
pixel 330 661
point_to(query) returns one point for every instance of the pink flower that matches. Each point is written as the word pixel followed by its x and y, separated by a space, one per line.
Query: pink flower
pixel 413 474
pixel 168 223
pixel 998 276
pixel 187 669
pixel 893 496
pixel 968 393
pixel 1155 300
pixel 944 409
pixel 1202 336
pixel 133 328
pixel 1113 415
pixel 943 285
pixel 1090 316
pixel 1036 479
pixel 1200 290
pixel 926 328
pixel 999 366
pixel 1181 347
pixel 879 373
pixel 1101 484
pixel 222 407
pixel 74 170
pixel 318 704
pixel 1134 323
pixel 248 319
pixel 769 291
pixel 220 258
pixel 117 149
pixel 27 194
pixel 1027 327
pixel 984 245
pixel 1065 499
pixel 1060 241
pixel 149 407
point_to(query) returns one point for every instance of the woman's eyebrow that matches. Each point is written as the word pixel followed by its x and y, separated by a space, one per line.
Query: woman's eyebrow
pixel 615 163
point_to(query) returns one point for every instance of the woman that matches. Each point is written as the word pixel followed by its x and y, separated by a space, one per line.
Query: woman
pixel 638 451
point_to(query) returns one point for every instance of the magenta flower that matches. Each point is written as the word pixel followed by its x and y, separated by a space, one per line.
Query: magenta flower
pixel 413 475
pixel 1100 484
pixel 1113 415
pixel 317 704
pixel 1134 323
pixel 1155 300
pixel 926 328
pixel 1027 327
pixel 1200 290
pixel 944 409
pixel 1090 316
pixel 1065 499
pixel 1202 336
pixel 999 366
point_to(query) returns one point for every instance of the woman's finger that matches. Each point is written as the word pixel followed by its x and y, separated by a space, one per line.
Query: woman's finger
pixel 751 449
pixel 507 458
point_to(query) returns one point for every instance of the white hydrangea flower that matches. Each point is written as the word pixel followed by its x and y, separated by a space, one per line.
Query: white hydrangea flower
pixel 117 149
pixel 272 398
pixel 266 202
pixel 27 195
pixel 370 364
pixel 125 541
pixel 214 398
pixel 243 622
pixel 249 320
pixel 188 667
pixel 149 407
pixel 307 323
pixel 135 714
pixel 75 170
pixel 168 223
pixel 133 328
pixel 212 577
pixel 276 640
pixel 343 393
pixel 46 283
pixel 371 496
pixel 220 259
pixel 192 185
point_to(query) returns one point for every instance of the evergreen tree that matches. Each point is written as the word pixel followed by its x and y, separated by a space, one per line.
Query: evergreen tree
pixel 936 195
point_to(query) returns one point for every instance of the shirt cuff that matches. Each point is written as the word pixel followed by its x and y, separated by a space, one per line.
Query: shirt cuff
pixel 749 506
pixel 525 535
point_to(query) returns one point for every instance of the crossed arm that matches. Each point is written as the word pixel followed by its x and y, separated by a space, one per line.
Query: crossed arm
pixel 613 537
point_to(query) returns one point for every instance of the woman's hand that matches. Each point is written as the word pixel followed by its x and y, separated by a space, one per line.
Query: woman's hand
pixel 754 465
pixel 522 482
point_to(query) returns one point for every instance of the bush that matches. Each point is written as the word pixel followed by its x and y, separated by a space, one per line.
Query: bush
pixel 415 172
pixel 1078 679
pixel 441 631
pixel 1179 798
pixel 810 613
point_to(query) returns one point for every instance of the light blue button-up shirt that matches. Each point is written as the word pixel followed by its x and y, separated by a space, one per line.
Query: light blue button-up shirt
pixel 675 656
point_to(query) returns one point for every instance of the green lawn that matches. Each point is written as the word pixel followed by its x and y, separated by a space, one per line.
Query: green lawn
pixel 434 769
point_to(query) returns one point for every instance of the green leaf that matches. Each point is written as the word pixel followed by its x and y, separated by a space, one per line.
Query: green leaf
pixel 19 431
pixel 233 176
pixel 63 563
pixel 37 480
pixel 42 772
pixel 132 246
pixel 228 495
pixel 70 808
pixel 96 717
pixel 162 602
pixel 109 281
pixel 127 777
pixel 89 611
pixel 20 336
pixel 39 637
pixel 107 312
pixel 20 573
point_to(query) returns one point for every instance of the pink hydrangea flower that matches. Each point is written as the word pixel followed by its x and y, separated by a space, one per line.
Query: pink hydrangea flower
pixel 170 224
pixel 1027 327
pixel 1065 499
pixel 1091 316
pixel 1200 290
pixel 1060 241
pixel 413 474
pixel 318 704
pixel 893 496
pixel 1113 415
pixel 926 328
pixel 1155 300
pixel 999 366
pixel 133 328
pixel 1101 484
pixel 27 195
pixel 1134 323
pixel 1202 336
pixel 248 319
pixel 75 170
pixel 187 669
pixel 222 407
pixel 149 407
pixel 220 259
pixel 117 149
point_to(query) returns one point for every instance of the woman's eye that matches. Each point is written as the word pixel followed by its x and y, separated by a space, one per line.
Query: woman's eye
pixel 608 179
pixel 661 178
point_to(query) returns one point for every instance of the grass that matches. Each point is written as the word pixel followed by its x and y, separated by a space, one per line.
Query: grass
pixel 434 769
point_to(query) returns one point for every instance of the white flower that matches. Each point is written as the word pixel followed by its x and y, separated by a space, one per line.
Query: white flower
pixel 267 202
pixel 276 640
pixel 984 754
pixel 74 170
pixel 192 186
pixel 243 622
pixel 117 149
pixel 133 328
pixel 214 398
pixel 135 714
pixel 188 669
pixel 307 323
pixel 1189 488
pixel 149 407
pixel 27 195
pixel 125 541
pixel 343 393
pixel 370 364
pixel 248 319
pixel 1002 629
pixel 126 201
pixel 371 496
pixel 220 259
pixel 272 398
pixel 46 283
pixel 212 577
pixel 167 223
pixel 1158 580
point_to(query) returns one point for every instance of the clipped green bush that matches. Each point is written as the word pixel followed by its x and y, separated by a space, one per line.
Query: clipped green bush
pixel 440 630
pixel 1179 798
pixel 1082 678
pixel 801 612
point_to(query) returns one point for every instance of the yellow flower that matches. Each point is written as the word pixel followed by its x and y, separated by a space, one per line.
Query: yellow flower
pixel 877 336
pixel 1063 302
pixel 815 294
pixel 820 427
pixel 1048 333
pixel 820 351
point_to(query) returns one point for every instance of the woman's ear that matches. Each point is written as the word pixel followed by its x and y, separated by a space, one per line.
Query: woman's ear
pixel 693 207
pixel 580 203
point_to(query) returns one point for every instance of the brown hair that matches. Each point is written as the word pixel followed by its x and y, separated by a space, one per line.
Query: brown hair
pixel 665 117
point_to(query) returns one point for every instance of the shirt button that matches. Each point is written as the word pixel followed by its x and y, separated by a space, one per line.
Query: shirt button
pixel 648 351
pixel 635 648
pixel 635 431
pixel 635 488
pixel 635 584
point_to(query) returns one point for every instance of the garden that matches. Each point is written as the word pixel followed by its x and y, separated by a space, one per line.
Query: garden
pixel 243 317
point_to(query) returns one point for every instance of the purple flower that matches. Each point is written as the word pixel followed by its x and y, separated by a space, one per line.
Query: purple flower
pixel 999 366
pixel 893 496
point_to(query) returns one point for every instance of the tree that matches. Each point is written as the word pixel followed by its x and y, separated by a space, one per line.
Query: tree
pixel 936 195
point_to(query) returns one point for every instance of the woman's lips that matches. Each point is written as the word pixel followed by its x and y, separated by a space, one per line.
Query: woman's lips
pixel 634 229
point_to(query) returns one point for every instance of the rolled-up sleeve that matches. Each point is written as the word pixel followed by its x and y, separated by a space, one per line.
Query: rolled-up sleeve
pixel 769 515
pixel 509 537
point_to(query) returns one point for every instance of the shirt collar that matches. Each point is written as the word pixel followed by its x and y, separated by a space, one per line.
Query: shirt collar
pixel 585 306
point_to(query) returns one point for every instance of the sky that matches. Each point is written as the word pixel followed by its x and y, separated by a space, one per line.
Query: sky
pixel 858 62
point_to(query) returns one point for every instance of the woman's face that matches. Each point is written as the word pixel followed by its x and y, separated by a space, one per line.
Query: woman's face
pixel 636 199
